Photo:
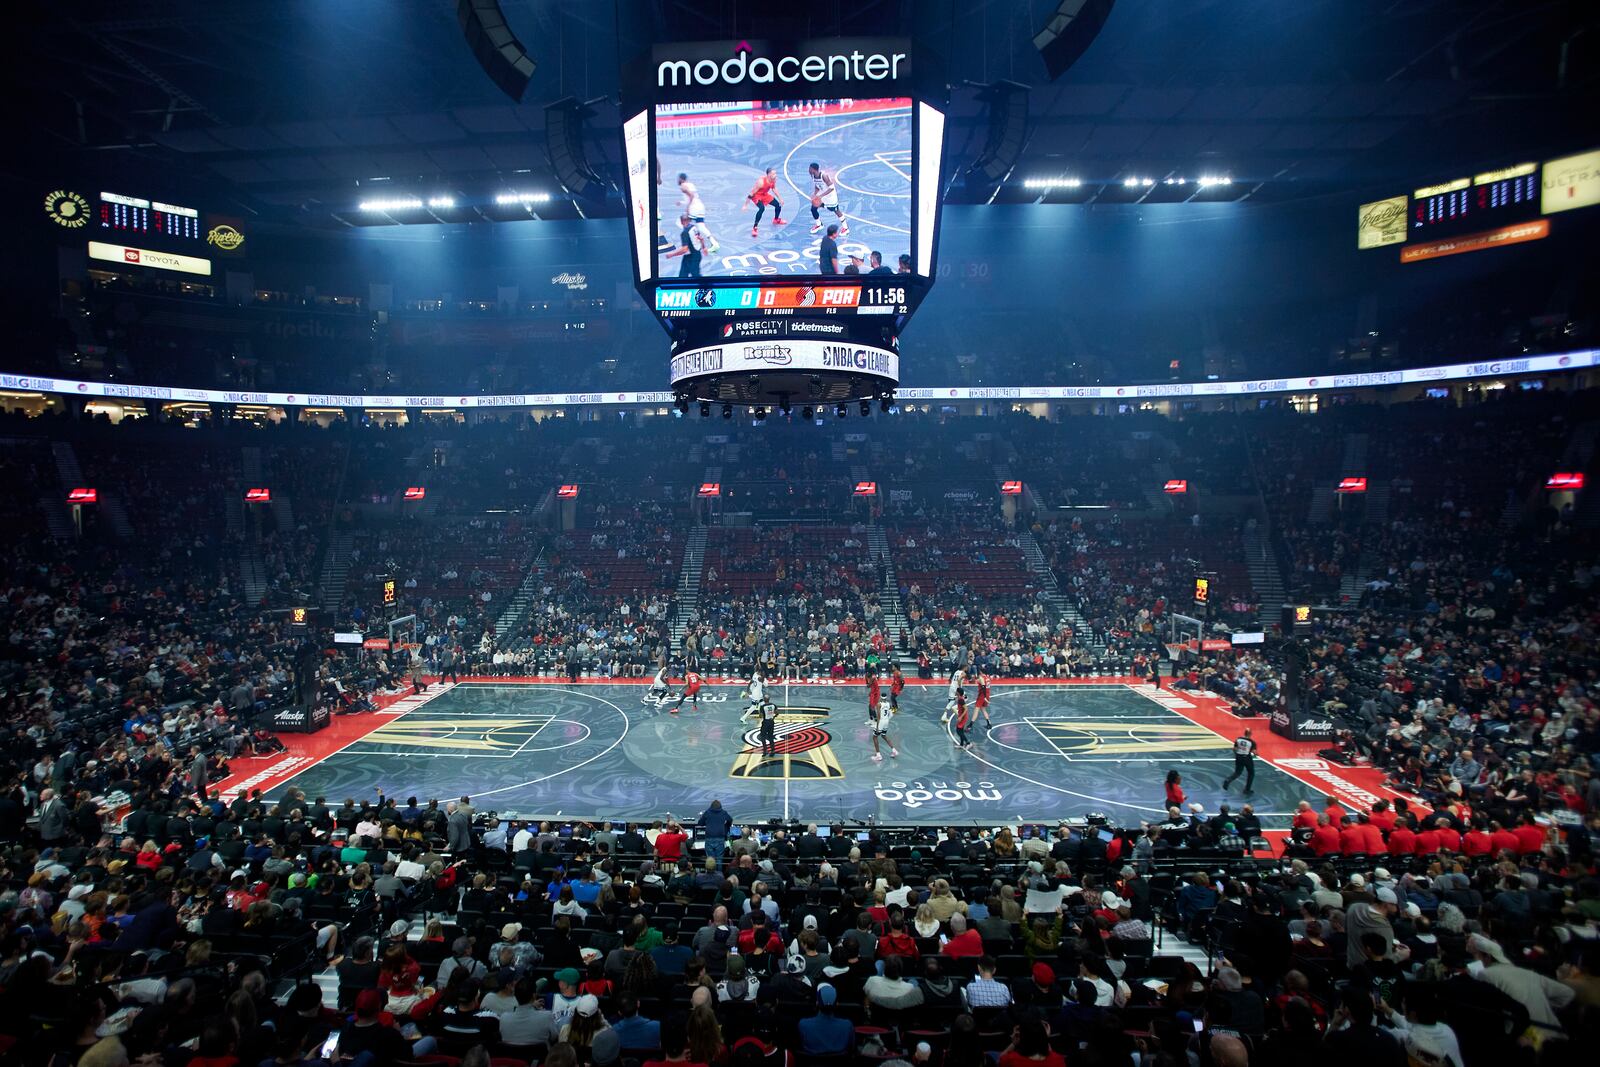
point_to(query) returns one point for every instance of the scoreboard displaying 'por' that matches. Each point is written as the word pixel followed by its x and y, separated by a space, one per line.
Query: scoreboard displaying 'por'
pixel 759 165
pixel 784 210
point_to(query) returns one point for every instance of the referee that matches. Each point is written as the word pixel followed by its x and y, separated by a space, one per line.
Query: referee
pixel 1244 762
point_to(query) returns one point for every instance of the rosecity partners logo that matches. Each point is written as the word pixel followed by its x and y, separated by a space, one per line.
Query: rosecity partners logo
pixel 747 68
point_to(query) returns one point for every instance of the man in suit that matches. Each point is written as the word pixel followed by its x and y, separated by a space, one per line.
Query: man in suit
pixel 458 826
pixel 197 772
pixel 54 818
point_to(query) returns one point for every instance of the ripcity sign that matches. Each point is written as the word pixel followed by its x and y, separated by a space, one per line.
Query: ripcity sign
pixel 811 62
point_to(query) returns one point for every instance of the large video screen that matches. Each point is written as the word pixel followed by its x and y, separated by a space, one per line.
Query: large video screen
pixel 753 187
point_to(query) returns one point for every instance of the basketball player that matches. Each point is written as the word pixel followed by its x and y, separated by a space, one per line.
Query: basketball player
pixel 878 720
pixel 757 691
pixel 692 205
pixel 983 699
pixel 950 699
pixel 897 682
pixel 961 720
pixel 766 192
pixel 660 688
pixel 825 194
pixel 691 691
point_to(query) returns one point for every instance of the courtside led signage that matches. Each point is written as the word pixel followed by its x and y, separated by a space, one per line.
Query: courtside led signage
pixel 1010 488
pixel 711 489
pixel 866 489
pixel 1558 480
pixel 1176 486
pixel 83 496
pixel 415 492
pixel 567 492
pixel 258 496
pixel 1352 485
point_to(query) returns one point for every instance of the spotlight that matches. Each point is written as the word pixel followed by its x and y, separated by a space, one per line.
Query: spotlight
pixel 841 411
pixel 806 413
pixel 727 411
pixel 759 413
pixel 866 408
pixel 683 403
pixel 705 409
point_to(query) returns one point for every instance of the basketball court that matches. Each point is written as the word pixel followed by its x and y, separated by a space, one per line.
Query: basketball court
pixel 546 750
pixel 867 144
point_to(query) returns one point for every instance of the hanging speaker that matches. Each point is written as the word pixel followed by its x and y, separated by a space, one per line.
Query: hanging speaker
pixel 495 47
pixel 1069 33
pixel 1007 133
pixel 569 160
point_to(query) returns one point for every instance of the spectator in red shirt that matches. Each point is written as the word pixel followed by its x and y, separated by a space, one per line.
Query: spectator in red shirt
pixel 1351 840
pixel 1175 794
pixel 1449 838
pixel 670 843
pixel 1477 841
pixel 1383 816
pixel 1304 817
pixel 1502 839
pixel 963 941
pixel 1371 837
pixel 1325 838
pixel 1530 838
pixel 896 942
pixel 1427 841
pixel 1335 812
pixel 1402 839
pixel 758 936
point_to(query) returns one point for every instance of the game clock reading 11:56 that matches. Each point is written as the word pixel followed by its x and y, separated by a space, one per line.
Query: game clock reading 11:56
pixel 883 294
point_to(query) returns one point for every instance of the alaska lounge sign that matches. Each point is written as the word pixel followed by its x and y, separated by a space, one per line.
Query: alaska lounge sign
pixel 735 65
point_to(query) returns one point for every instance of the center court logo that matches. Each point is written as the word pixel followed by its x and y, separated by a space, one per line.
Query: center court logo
pixel 747 68
pixel 916 794
pixel 804 749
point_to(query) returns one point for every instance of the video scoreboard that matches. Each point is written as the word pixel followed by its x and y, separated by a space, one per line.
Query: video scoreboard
pixel 784 209
pixel 138 231
pixel 786 299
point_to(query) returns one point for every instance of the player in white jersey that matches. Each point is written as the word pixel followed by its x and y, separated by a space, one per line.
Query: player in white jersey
pixel 825 194
pixel 693 206
pixel 757 691
pixel 956 678
pixel 660 688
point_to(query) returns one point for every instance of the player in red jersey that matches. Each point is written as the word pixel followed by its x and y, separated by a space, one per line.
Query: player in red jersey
pixel 983 699
pixel 878 719
pixel 691 691
pixel 897 683
pixel 766 192
pixel 962 719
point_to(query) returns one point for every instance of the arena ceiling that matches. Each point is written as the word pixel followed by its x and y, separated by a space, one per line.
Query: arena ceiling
pixel 290 109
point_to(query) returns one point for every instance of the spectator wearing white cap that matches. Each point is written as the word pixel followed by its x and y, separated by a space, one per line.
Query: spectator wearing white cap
pixel 1542 996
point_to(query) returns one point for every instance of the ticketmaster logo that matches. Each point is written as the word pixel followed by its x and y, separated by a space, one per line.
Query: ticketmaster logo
pixel 833 328
pixel 759 70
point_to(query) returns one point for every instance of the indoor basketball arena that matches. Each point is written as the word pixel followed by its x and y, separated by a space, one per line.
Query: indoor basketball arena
pixel 554 534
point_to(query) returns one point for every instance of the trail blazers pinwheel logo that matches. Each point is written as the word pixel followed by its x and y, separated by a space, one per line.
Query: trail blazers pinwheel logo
pixel 805 748
pixel 67 208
